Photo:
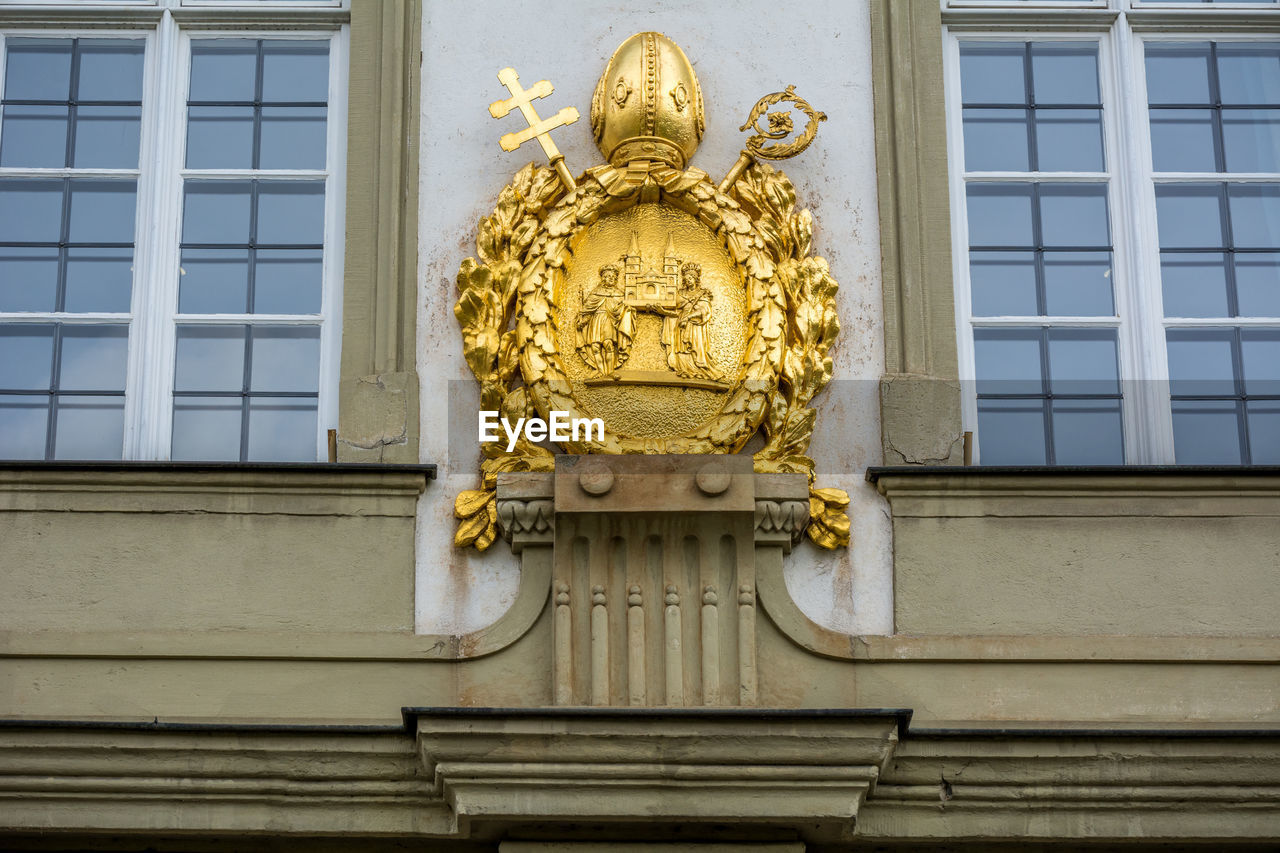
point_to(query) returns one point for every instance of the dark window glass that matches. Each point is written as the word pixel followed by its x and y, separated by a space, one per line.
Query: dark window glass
pixel 245 392
pixel 1048 396
pixel 62 390
pixel 1225 385
pixel 257 104
pixel 1031 106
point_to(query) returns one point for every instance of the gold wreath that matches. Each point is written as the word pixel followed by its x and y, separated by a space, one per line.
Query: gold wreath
pixel 524 248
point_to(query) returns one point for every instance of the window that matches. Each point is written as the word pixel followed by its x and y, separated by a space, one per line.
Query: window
pixel 1214 112
pixel 1116 217
pixel 170 239
pixel 69 136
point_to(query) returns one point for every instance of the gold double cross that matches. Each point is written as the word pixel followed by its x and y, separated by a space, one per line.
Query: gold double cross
pixel 539 128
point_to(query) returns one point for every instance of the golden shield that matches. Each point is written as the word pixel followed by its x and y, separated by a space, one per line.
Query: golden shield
pixel 672 350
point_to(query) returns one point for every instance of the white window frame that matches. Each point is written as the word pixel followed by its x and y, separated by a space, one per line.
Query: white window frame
pixel 1146 408
pixel 153 317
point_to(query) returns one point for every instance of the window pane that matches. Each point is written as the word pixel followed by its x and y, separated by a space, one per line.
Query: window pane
pixel 285 358
pixel 1255 215
pixel 1264 432
pixel 1011 432
pixel 214 281
pixel 220 137
pixel 1260 352
pixel 24 424
pixel 223 70
pixel 1087 432
pixel 1194 284
pixel 1189 216
pixel 1206 432
pixel 31 210
pixel 1003 283
pixel 1083 361
pixel 293 138
pixel 996 140
pixel 1065 73
pixel 99 280
pixel 110 70
pixel 38 70
pixel 206 429
pixel 282 429
pixel 216 212
pixel 288 281
pixel 107 137
pixel 1178 73
pixel 89 428
pixel 210 358
pixel 1249 74
pixel 102 211
pixel 1258 284
pixel 94 358
pixel 34 137
pixel 295 70
pixel 26 357
pixel 1251 140
pixel 291 212
pixel 1008 361
pixel 1069 140
pixel 1078 284
pixel 1074 215
pixel 1200 362
pixel 993 73
pixel 28 279
pixel 1182 141
pixel 1000 215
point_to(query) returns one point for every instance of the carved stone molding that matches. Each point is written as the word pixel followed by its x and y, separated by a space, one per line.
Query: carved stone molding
pixel 500 768
pixel 531 519
pixel 778 518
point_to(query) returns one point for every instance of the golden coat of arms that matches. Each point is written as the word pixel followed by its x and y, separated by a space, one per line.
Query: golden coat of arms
pixel 687 316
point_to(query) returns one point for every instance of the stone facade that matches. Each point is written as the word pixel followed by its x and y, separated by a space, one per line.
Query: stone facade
pixel 271 657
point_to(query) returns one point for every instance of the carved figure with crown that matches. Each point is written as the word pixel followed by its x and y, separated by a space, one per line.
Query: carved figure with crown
pixel 688 315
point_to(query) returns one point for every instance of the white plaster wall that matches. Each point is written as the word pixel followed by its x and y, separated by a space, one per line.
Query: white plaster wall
pixel 741 51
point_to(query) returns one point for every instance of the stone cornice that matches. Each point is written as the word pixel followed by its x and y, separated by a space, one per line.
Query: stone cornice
pixel 468 772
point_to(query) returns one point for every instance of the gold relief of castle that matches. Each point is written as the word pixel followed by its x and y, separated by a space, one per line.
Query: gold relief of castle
pixel 687 315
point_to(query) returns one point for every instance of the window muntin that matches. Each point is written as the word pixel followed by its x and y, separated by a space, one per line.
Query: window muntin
pixel 67 245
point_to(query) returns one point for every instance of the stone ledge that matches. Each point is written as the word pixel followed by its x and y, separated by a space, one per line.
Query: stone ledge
pixel 405 646
pixel 1100 786
pixel 228 488
pixel 1112 491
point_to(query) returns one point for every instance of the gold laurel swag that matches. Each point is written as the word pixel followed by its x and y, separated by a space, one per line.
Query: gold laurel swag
pixel 791 309
pixel 485 311
pixel 812 326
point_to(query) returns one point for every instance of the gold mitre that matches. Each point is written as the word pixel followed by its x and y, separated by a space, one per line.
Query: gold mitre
pixel 648 104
